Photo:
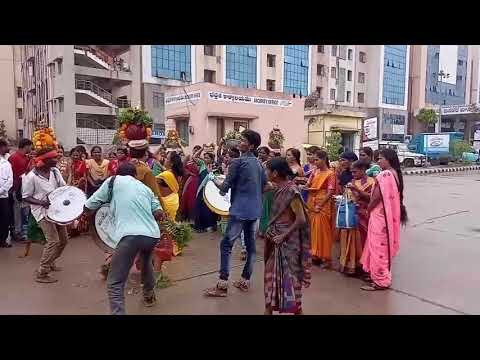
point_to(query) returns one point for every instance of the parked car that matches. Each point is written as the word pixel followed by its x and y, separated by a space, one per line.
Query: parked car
pixel 407 158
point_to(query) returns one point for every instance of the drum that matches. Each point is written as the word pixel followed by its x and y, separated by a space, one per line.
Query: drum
pixel 103 226
pixel 217 203
pixel 66 205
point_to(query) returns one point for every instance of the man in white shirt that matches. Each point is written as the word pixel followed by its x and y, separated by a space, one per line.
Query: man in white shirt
pixel 6 183
pixel 36 186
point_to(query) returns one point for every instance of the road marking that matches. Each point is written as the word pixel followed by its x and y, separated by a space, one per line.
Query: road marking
pixel 431 220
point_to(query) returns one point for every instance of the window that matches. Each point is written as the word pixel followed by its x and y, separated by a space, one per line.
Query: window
pixel 157 99
pixel 349 75
pixel 332 94
pixel 361 97
pixel 171 62
pixel 320 92
pixel 342 52
pixel 350 54
pixel 182 130
pixel 459 77
pixel 241 66
pixel 361 78
pixel 19 92
pixel 321 49
pixel 362 57
pixel 20 113
pixel 349 96
pixel 320 69
pixel 394 74
pixel 333 72
pixel 209 76
pixel 209 50
pixel 52 69
pixel 270 85
pixel 60 104
pixel 271 60
pixel 60 66
pixel 460 62
pixel 240 125
pixel 334 50
pixel 295 73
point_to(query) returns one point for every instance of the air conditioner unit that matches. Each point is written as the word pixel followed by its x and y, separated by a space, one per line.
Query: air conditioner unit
pixel 219 59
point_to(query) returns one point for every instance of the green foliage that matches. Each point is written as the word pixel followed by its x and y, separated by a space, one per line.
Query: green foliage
pixel 181 232
pixel 233 135
pixel 3 130
pixel 427 116
pixel 135 116
pixel 459 147
pixel 334 145
pixel 162 281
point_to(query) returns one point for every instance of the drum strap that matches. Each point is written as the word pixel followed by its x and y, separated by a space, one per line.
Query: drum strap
pixel 110 188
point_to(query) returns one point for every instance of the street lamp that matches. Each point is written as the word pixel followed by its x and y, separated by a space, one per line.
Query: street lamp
pixel 442 75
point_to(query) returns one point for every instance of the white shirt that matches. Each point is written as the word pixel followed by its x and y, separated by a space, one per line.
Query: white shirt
pixel 38 187
pixel 6 177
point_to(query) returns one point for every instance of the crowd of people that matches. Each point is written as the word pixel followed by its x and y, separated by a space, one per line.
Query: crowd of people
pixel 292 208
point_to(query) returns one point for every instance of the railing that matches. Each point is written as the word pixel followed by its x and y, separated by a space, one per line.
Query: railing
pixel 88 85
pixel 115 63
pixel 92 132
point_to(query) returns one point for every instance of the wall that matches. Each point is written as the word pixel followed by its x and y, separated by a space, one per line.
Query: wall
pixel 203 113
pixel 275 73
pixel 7 90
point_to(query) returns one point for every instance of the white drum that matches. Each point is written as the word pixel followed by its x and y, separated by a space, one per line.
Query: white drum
pixel 103 226
pixel 66 205
pixel 217 203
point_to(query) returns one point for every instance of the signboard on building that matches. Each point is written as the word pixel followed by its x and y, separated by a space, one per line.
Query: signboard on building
pixel 459 109
pixel 437 142
pixel 373 144
pixel 370 129
pixel 244 99
pixel 476 135
pixel 191 96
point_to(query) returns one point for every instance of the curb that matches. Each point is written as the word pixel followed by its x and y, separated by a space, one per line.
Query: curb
pixel 441 170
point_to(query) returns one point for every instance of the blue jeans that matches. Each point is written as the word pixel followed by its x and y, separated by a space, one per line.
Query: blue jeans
pixel 21 214
pixel 235 227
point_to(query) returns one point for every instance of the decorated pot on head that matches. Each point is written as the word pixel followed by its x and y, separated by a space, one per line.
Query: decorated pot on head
pixel 173 140
pixel 135 124
pixel 275 139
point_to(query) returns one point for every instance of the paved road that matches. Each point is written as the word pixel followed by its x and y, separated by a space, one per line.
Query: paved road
pixel 436 272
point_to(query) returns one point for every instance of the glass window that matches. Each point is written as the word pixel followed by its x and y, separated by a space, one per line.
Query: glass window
pixel 296 70
pixel 394 70
pixel 334 50
pixel 361 97
pixel 321 48
pixel 332 94
pixel 241 65
pixel 349 75
pixel 350 54
pixel 171 61
pixel 361 78
pixel 333 72
pixel 362 57
pixel 349 96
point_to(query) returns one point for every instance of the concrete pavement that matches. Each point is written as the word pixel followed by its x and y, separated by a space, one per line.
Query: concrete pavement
pixel 436 271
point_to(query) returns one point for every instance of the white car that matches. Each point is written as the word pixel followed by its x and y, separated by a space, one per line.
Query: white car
pixel 406 157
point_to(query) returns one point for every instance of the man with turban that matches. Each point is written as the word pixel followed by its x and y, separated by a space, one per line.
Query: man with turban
pixel 36 185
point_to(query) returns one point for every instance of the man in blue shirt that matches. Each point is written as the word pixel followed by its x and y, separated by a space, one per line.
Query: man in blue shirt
pixel 246 178
pixel 134 208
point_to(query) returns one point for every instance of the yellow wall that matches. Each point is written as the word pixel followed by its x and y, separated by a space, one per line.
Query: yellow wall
pixel 321 128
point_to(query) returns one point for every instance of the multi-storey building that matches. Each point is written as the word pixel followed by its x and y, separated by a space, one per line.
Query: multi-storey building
pixel 444 76
pixel 242 70
pixel 11 104
pixel 78 89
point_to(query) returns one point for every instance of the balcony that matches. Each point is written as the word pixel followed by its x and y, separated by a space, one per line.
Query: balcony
pixel 96 58
pixel 100 95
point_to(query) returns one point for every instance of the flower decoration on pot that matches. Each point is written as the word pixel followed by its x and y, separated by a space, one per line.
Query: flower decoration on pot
pixel 135 124
pixel 276 138
pixel 173 139
pixel 44 138
pixel 232 138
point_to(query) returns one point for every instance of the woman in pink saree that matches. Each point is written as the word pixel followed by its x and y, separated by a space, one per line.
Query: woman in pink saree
pixel 387 212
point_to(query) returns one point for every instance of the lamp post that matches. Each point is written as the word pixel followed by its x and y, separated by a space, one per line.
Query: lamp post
pixel 441 76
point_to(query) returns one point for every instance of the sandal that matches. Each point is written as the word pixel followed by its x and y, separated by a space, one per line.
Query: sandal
pixel 372 287
pixel 242 284
pixel 220 290
pixel 46 279
pixel 149 301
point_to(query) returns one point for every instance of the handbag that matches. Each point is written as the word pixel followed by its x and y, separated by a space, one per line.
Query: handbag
pixel 347 217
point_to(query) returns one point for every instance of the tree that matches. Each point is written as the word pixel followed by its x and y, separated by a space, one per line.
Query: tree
pixel 334 144
pixel 459 147
pixel 3 131
pixel 427 117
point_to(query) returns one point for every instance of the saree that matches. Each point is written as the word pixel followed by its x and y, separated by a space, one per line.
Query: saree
pixel 321 220
pixel 98 174
pixel 190 186
pixel 287 265
pixel 170 202
pixel 308 169
pixel 353 240
pixel 383 234
pixel 78 179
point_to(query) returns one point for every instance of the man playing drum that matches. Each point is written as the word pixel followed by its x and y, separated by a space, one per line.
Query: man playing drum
pixel 246 179
pixel 36 186
pixel 135 208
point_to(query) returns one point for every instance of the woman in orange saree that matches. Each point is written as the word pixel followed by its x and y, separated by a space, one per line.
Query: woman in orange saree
pixel 387 212
pixel 320 187
pixel 352 240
